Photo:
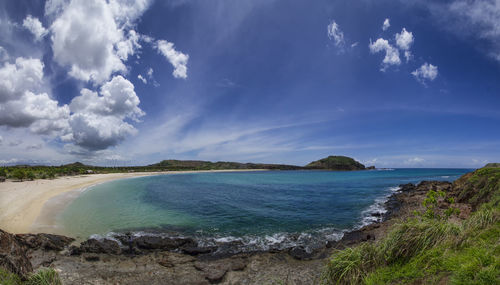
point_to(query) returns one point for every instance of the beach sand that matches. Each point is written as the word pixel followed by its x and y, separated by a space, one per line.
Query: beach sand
pixel 22 203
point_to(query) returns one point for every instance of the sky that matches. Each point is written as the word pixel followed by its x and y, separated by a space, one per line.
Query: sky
pixel 131 82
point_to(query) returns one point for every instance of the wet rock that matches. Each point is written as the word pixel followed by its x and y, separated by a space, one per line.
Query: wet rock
pixel 196 250
pixel 356 237
pixel 44 241
pixel 13 255
pixel 162 243
pixel 300 253
pixel 100 246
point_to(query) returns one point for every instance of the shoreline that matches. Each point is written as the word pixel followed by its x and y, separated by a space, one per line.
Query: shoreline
pixel 22 204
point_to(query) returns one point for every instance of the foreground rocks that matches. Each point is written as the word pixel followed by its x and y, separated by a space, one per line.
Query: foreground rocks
pixel 13 255
pixel 128 259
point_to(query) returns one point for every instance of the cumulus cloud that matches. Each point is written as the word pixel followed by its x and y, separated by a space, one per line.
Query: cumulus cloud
pixel 335 34
pixel 386 24
pixel 177 59
pixel 94 37
pixel 35 27
pixel 391 53
pixel 404 40
pixel 84 38
pixel 25 74
pixel 98 120
pixel 20 106
pixel 426 72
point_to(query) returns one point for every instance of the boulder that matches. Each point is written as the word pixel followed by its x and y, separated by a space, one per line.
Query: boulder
pixel 300 253
pixel 13 255
pixel 44 241
pixel 100 246
pixel 163 243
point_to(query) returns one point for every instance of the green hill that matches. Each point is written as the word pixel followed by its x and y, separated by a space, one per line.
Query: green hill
pixel 336 163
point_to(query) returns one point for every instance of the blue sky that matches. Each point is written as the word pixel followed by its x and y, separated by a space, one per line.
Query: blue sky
pixel 122 82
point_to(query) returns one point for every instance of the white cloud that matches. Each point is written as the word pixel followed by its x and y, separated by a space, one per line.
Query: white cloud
pixel 95 132
pixel 98 122
pixel 35 27
pixel 15 79
pixel 150 73
pixel 354 44
pixel 83 39
pixel 177 59
pixel 391 53
pixel 141 78
pixel 94 37
pixel 128 46
pixel 404 40
pixel 386 24
pixel 20 106
pixel 334 32
pixel 426 72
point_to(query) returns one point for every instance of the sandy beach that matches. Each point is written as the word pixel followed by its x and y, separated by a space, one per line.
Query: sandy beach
pixel 22 203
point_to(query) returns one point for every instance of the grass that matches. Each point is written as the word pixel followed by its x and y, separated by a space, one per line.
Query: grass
pixel 45 276
pixel 425 250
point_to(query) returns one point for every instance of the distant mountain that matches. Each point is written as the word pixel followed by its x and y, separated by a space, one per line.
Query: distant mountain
pixel 330 163
pixel 208 165
pixel 336 163
pixel 493 165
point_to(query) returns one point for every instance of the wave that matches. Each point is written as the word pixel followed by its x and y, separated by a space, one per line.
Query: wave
pixel 249 243
pixel 375 213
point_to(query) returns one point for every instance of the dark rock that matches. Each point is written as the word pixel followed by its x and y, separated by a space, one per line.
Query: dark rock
pixel 100 246
pixel 44 241
pixel 357 236
pixel 196 250
pixel 163 243
pixel 13 255
pixel 300 253
pixel 407 187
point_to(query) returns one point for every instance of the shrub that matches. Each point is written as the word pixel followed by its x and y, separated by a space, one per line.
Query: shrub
pixel 19 174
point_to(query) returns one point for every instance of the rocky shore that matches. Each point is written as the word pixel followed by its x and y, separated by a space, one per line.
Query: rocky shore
pixel 129 259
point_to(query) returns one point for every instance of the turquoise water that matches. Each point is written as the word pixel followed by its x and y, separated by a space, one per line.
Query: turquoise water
pixel 253 207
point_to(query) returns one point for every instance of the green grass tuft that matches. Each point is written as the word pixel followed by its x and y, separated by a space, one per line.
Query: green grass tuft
pixel 44 277
pixel 47 276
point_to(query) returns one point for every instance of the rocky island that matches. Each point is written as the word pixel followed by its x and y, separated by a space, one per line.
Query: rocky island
pixel 342 163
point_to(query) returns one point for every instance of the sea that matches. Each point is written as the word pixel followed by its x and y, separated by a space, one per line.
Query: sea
pixel 256 210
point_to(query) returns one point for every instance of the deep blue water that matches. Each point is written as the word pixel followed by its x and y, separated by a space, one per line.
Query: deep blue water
pixel 255 207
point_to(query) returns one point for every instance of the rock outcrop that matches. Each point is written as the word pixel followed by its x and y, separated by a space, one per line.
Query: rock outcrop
pixel 13 255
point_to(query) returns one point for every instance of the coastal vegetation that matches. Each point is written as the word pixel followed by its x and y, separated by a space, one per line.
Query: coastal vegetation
pixel 434 246
pixel 31 172
pixel 46 276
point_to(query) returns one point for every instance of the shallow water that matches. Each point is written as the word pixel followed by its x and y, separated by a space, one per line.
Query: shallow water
pixel 258 208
